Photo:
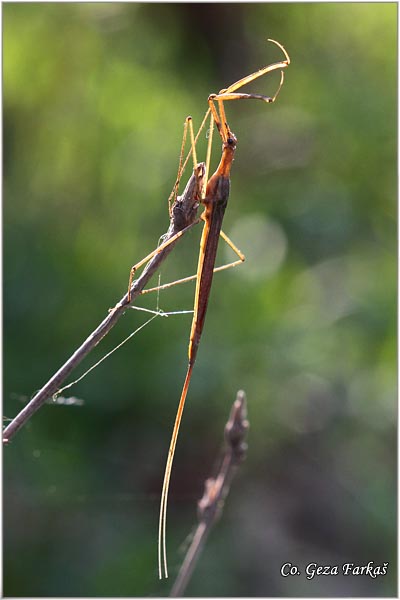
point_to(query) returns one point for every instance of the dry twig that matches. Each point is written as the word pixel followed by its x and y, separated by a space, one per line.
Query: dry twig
pixel 216 489
pixel 183 216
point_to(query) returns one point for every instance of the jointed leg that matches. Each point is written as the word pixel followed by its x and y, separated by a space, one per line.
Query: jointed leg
pixel 196 139
pixel 174 191
pixel 229 93
pixel 263 71
pixel 241 259
pixel 156 251
pixel 209 148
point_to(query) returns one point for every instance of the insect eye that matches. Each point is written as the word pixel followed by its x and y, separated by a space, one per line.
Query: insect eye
pixel 230 141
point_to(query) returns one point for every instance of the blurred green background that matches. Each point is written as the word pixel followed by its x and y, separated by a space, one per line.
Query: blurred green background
pixel 94 100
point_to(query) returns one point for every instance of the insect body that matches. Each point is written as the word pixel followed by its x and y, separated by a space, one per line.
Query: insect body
pixel 215 200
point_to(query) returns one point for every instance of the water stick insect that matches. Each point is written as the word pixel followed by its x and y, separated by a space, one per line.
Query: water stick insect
pixel 214 197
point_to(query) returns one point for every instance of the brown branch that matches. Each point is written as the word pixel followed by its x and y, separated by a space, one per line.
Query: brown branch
pixel 183 216
pixel 216 489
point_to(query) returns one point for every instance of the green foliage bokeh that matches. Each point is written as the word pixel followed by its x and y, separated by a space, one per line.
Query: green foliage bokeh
pixel 94 100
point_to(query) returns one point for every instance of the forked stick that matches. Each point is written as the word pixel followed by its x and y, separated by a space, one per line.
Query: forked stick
pixel 216 489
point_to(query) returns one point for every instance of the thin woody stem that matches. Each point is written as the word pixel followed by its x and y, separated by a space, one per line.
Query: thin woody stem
pixel 216 490
pixel 183 215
